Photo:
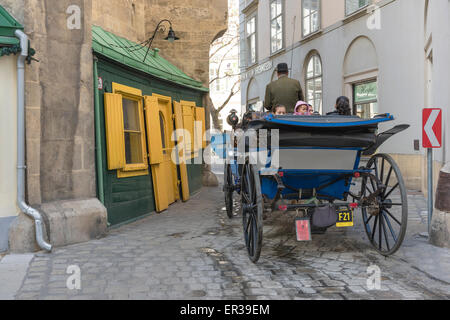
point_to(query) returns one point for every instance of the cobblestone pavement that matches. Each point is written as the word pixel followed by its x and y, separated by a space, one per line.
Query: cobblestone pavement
pixel 193 251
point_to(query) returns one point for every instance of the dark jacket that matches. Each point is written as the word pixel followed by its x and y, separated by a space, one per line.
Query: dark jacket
pixel 284 91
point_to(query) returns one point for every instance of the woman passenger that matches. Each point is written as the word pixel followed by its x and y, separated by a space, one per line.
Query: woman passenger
pixel 342 107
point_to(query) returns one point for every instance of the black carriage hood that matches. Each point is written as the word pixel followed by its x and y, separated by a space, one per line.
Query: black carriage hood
pixel 332 131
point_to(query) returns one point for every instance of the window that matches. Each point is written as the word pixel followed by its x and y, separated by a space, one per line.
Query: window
pixel 310 16
pixel 313 82
pixel 352 6
pixel 251 40
pixel 276 25
pixel 132 132
pixel 125 135
pixel 365 99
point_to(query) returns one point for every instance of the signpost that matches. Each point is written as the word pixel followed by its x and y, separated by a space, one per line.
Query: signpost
pixel 431 139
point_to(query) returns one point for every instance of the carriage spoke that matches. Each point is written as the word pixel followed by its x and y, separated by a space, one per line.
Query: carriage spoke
pixel 382 170
pixel 374 229
pixel 392 190
pixel 248 223
pixel 373 186
pixel 250 239
pixel 388 177
pixel 376 167
pixel 390 214
pixel 246 198
pixel 368 220
pixel 385 233
pixel 380 242
pixel 389 226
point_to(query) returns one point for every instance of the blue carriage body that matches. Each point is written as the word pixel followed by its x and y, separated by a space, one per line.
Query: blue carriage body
pixel 319 154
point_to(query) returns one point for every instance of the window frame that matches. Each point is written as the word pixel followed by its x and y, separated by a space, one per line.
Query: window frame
pixel 347 14
pixel 355 104
pixel 283 19
pixel 251 16
pixel 319 27
pixel 308 60
pixel 133 94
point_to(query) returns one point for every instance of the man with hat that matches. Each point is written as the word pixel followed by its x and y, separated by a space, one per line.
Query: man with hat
pixel 284 91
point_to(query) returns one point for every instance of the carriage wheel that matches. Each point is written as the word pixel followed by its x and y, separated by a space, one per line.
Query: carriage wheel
pixel 386 216
pixel 228 188
pixel 252 211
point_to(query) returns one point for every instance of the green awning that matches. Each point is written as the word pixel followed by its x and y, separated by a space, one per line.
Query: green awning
pixel 132 54
pixel 8 26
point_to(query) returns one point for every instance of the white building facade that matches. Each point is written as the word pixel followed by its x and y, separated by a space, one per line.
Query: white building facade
pixel 387 56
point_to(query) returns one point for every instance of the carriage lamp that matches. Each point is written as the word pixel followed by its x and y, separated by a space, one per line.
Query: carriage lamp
pixel 171 37
pixel 357 175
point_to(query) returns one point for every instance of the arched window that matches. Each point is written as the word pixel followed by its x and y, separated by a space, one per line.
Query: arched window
pixel 253 100
pixel 313 82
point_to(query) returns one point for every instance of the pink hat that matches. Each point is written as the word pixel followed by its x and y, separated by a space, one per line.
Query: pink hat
pixel 299 104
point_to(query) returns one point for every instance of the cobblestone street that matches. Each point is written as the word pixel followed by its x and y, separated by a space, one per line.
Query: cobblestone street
pixel 193 251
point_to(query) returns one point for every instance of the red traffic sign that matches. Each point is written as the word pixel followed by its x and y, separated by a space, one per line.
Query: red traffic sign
pixel 432 128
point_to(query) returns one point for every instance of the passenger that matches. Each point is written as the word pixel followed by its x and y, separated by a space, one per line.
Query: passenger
pixel 303 109
pixel 342 107
pixel 279 110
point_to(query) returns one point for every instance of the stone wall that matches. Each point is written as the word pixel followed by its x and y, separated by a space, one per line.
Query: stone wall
pixel 15 8
pixel 126 18
pixel 59 103
pixel 197 23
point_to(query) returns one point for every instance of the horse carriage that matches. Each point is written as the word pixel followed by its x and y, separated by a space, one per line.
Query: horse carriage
pixel 313 170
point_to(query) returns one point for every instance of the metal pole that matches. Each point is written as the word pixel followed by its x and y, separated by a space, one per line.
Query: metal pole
pixel 430 187
pixel 98 138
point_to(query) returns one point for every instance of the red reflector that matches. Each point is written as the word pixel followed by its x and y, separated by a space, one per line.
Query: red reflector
pixel 353 205
pixel 357 175
pixel 303 230
pixel 282 208
pixel 281 174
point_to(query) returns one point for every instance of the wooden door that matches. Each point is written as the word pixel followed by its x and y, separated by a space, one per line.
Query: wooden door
pixel 160 128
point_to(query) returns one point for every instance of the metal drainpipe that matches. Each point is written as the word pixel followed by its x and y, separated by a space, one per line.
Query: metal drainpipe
pixel 33 213
pixel 98 139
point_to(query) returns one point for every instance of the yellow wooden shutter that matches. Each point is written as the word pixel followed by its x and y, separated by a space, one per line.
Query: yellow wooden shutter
pixel 154 141
pixel 115 140
pixel 200 117
pixel 180 144
pixel 188 124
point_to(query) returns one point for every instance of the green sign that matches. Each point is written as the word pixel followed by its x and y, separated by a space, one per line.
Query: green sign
pixel 366 92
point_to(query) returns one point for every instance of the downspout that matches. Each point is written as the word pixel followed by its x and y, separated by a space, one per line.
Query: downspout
pixel 98 139
pixel 24 207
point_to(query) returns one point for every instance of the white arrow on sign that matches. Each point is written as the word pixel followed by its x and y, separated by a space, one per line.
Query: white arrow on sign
pixel 429 128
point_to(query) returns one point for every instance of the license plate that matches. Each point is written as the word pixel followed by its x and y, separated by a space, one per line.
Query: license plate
pixel 303 229
pixel 345 218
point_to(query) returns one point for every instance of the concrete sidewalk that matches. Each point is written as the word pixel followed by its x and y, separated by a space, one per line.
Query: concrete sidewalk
pixel 13 269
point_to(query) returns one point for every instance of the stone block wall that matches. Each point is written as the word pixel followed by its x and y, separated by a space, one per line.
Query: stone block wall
pixel 126 18
pixel 59 103
pixel 197 23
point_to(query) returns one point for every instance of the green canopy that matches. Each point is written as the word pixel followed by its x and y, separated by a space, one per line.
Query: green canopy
pixel 8 26
pixel 132 54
